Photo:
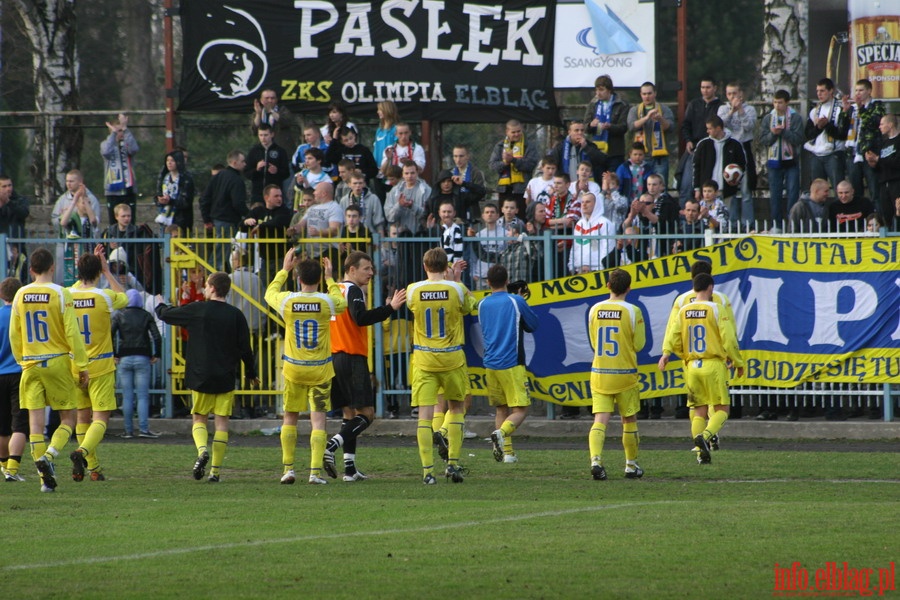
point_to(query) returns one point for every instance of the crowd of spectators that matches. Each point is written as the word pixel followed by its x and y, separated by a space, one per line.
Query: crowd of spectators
pixel 603 190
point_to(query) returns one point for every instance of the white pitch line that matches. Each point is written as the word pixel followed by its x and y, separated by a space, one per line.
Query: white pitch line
pixel 327 536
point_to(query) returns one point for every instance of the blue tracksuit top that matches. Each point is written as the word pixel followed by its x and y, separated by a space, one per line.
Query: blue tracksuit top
pixel 503 317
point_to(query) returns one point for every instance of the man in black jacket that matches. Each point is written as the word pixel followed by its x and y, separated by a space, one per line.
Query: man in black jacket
pixel 224 203
pixel 219 340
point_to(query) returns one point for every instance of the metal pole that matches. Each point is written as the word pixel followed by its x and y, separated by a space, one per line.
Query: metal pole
pixel 681 43
pixel 170 74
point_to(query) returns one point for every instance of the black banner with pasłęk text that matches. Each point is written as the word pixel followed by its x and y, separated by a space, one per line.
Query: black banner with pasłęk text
pixel 437 59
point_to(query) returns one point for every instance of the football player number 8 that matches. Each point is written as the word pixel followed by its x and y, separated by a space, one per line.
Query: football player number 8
pixel 607 344
pixel 36 329
pixel 306 334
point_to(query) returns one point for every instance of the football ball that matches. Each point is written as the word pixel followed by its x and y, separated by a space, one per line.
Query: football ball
pixel 732 174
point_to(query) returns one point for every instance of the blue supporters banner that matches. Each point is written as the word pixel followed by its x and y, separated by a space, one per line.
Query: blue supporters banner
pixel 805 310
pixel 450 61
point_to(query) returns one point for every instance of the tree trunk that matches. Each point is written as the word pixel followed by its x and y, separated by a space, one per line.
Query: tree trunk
pixel 50 26
pixel 140 81
pixel 784 62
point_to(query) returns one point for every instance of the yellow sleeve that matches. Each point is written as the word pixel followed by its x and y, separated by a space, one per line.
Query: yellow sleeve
pixel 273 297
pixel 15 333
pixel 640 330
pixel 672 344
pixel 592 327
pixel 119 299
pixel 334 292
pixel 469 303
pixel 76 340
pixel 673 318
pixel 729 340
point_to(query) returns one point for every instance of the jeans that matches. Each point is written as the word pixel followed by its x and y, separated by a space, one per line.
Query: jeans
pixel 134 376
pixel 779 180
pixel 830 167
pixel 660 166
pixel 221 250
pixel 859 171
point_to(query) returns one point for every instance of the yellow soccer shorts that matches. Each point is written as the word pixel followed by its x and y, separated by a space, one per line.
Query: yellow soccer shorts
pixel 507 387
pixel 301 397
pixel 101 393
pixel 48 383
pixel 426 385
pixel 707 383
pixel 627 401
pixel 217 404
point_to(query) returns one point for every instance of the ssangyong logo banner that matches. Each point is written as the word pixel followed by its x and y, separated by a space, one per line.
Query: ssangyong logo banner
pixel 445 60
pixel 604 37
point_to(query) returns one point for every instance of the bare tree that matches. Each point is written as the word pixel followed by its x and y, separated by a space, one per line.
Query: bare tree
pixel 784 57
pixel 784 61
pixel 50 27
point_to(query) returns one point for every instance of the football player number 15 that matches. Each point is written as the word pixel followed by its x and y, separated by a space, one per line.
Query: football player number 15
pixel 607 341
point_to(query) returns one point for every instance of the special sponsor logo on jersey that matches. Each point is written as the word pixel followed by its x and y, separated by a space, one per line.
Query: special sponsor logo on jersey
pixel 435 296
pixel 609 314
pixel 84 303
pixel 304 307
pixel 695 314
pixel 35 298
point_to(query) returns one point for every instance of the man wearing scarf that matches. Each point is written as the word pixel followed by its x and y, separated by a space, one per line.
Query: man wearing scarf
pixel 514 160
pixel 576 148
pixel 650 121
pixel 606 119
pixel 781 135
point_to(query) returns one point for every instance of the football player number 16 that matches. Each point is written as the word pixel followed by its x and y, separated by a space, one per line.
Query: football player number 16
pixel 36 328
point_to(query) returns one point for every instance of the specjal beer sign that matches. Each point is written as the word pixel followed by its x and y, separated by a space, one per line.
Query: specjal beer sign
pixel 875 45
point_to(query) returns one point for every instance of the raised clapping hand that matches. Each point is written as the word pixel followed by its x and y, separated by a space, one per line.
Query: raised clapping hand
pixel 290 259
pixel 326 267
pixel 397 299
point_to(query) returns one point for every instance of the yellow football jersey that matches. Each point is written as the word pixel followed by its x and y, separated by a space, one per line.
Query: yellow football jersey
pixel 719 299
pixel 43 326
pixel 93 313
pixel 438 308
pixel 704 331
pixel 616 332
pixel 307 322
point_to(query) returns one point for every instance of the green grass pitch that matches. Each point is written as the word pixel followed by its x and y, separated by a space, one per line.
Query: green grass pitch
pixel 541 528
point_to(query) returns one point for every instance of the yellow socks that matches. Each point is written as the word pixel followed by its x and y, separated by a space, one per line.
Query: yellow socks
pixel 716 421
pixel 630 441
pixel 12 466
pixel 288 446
pixel 698 424
pixel 437 422
pixel 59 440
pixel 220 444
pixel 424 436
pixel 596 438
pixel 38 445
pixel 92 439
pixel 201 437
pixel 317 439
pixel 455 426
